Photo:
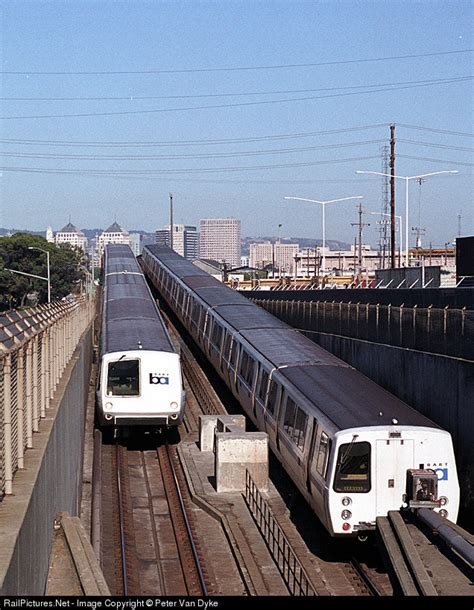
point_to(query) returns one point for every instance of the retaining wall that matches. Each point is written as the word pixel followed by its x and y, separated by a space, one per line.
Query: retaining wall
pixel 49 484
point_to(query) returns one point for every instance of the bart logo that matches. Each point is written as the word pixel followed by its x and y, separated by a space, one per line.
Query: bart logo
pixel 159 379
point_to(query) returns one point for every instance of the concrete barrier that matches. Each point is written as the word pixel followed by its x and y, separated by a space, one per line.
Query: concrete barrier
pixel 236 451
pixel 49 484
pixel 235 454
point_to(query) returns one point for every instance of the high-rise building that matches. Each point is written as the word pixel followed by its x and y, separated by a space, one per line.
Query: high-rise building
pixel 50 235
pixel 282 256
pixel 185 240
pixel 219 240
pixel 113 235
pixel 71 235
pixel 136 243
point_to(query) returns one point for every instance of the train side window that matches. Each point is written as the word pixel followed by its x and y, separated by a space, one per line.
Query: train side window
pixel 323 454
pixel 262 386
pixel 227 342
pixel 353 468
pixel 234 354
pixel 196 313
pixel 216 336
pixel 272 401
pixel 123 378
pixel 246 368
pixel 301 421
pixel 289 418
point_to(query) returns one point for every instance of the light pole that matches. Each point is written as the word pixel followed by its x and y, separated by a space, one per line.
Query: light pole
pixel 323 203
pixel 401 229
pixel 407 179
pixel 38 277
pixel 47 265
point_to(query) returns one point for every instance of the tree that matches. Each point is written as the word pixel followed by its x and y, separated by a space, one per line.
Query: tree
pixel 65 269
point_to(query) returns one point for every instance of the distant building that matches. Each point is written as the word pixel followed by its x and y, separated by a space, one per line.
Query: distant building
pixel 136 243
pixel 282 256
pixel 220 240
pixel 185 240
pixel 71 235
pixel 340 261
pixel 214 268
pixel 113 235
pixel 50 235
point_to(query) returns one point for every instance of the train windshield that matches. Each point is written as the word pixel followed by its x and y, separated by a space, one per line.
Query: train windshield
pixel 123 378
pixel 353 468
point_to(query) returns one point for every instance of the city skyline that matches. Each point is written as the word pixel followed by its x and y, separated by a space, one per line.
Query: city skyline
pixel 107 120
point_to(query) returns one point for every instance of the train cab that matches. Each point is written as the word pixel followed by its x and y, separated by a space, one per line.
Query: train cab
pixel 370 475
pixel 141 388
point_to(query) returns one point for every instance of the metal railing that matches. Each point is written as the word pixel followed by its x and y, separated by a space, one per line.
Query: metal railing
pixel 36 344
pixel 436 330
pixel 289 565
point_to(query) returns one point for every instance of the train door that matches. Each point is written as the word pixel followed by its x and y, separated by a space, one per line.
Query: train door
pixel 260 394
pixel 293 424
pixel 392 460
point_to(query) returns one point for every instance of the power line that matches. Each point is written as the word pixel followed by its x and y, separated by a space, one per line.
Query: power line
pixel 133 98
pixel 432 129
pixel 437 160
pixel 153 172
pixel 213 142
pixel 27 155
pixel 434 145
pixel 219 106
pixel 227 69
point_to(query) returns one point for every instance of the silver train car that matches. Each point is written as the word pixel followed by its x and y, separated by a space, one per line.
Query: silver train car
pixel 139 377
pixel 354 450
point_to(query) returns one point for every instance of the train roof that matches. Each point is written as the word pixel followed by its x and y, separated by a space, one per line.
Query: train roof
pixel 341 393
pixel 349 399
pixel 284 346
pixel 130 317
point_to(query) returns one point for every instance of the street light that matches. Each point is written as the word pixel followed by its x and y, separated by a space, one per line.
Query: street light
pixel 407 179
pixel 323 203
pixel 401 229
pixel 48 278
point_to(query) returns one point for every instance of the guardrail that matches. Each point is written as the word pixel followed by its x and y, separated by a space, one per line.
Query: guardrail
pixel 36 344
pixel 290 567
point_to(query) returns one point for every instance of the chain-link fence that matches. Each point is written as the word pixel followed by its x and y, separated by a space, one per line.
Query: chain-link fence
pixel 439 331
pixel 36 345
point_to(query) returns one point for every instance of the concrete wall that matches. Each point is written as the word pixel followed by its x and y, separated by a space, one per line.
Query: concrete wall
pixel 50 483
pixel 440 387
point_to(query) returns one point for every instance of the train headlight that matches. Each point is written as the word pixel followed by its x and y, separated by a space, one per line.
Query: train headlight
pixel 346 501
pixel 108 405
pixel 443 513
pixel 174 405
pixel 443 501
pixel 346 514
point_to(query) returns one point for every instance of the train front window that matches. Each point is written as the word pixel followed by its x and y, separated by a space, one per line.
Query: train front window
pixel 123 378
pixel 353 468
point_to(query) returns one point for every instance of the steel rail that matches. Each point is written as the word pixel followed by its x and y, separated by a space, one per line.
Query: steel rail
pixel 187 524
pixel 362 573
pixel 121 520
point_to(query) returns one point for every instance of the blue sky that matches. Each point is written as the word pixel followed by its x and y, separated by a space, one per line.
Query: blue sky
pixel 223 81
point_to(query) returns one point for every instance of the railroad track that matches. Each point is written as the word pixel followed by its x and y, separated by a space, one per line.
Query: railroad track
pixel 148 546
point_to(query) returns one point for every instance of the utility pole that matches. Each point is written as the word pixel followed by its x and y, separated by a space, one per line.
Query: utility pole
pixel 459 224
pixel 384 240
pixel 361 225
pixel 171 221
pixel 392 196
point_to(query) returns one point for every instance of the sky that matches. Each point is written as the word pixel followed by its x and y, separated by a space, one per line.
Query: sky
pixel 107 107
